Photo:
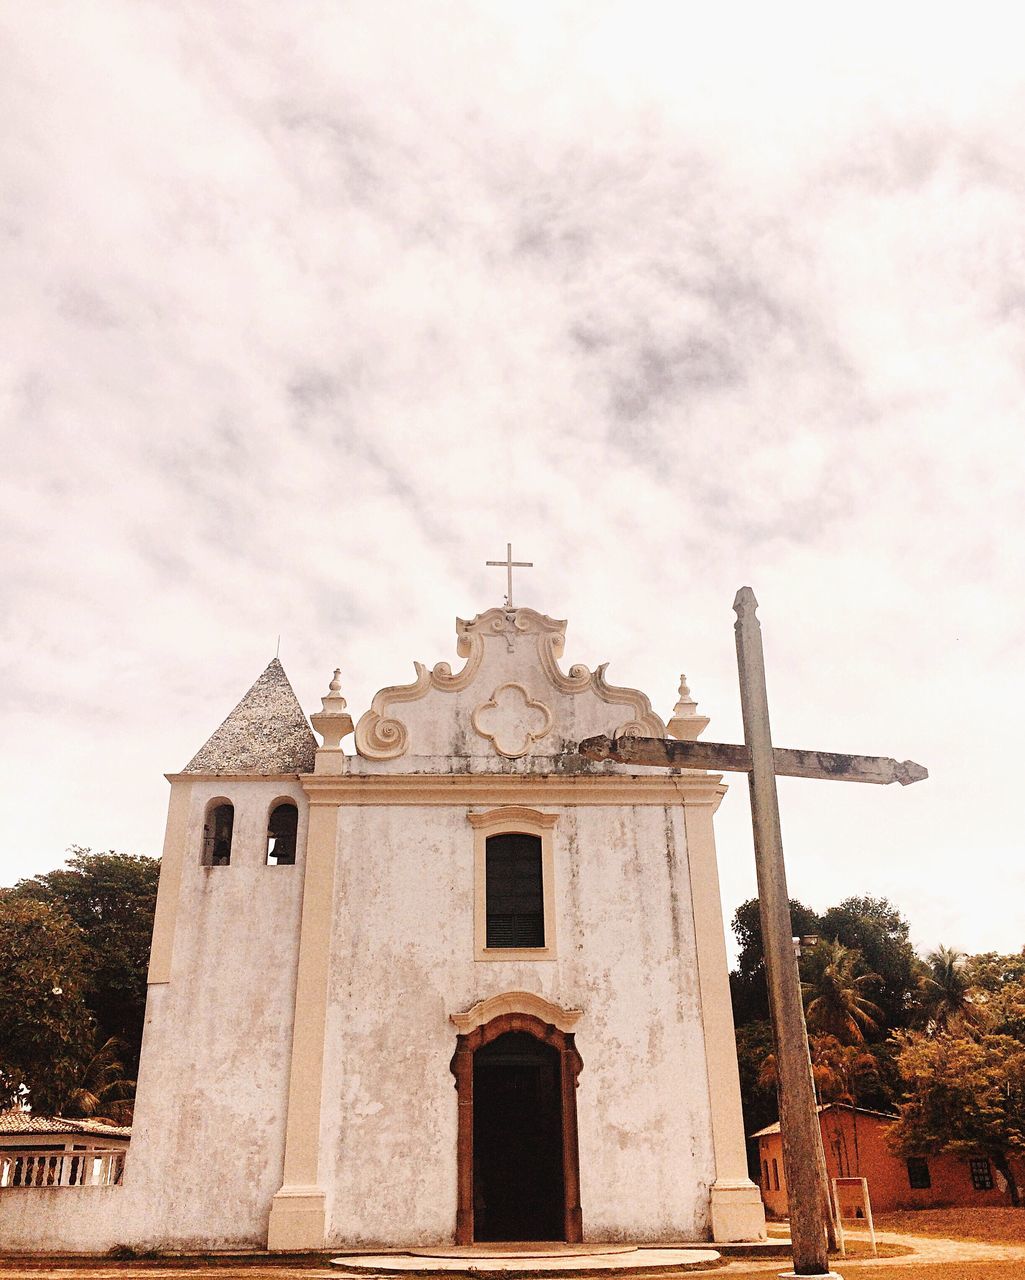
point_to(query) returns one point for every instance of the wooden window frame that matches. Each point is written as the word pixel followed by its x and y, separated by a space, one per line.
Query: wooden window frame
pixel 511 820
pixel 980 1169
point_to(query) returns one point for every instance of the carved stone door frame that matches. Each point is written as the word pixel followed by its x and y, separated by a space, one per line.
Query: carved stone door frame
pixel 570 1065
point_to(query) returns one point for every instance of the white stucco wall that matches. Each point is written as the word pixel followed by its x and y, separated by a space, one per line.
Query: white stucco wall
pixel 207 1142
pixel 207 1153
pixel 214 1079
pixel 403 961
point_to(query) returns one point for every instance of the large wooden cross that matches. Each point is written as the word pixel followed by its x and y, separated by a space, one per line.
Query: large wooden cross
pixel 803 1161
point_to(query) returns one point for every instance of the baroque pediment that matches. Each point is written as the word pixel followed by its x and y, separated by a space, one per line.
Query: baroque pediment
pixel 511 698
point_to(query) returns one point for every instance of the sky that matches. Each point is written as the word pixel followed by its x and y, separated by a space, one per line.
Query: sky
pixel 309 309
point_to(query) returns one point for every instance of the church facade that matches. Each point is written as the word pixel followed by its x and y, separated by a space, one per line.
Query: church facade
pixel 444 982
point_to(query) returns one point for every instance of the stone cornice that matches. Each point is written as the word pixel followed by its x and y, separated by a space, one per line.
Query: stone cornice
pixel 493 789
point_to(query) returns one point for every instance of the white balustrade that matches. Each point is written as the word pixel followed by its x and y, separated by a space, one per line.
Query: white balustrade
pixel 94 1167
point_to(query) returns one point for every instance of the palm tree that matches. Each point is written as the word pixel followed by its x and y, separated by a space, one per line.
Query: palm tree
pixel 946 998
pixel 102 1092
pixel 835 1003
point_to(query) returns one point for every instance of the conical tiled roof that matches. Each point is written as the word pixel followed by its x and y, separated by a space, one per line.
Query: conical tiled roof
pixel 266 733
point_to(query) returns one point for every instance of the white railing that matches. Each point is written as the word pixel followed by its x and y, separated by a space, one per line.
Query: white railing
pixel 94 1167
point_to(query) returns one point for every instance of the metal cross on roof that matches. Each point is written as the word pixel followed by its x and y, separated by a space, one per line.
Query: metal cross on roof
pixel 509 564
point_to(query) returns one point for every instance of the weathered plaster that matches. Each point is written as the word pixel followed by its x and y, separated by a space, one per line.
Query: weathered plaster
pixel 295 1085
pixel 208 1138
pixel 625 959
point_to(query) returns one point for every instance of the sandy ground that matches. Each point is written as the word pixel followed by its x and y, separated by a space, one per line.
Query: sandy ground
pixel 945 1244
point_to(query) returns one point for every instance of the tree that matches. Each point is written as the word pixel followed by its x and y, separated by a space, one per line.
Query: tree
pixel 754 1043
pixel 835 999
pixel 991 971
pixel 112 899
pixel 846 1073
pixel 102 1092
pixel 45 1025
pixel 965 1094
pixel 747 981
pixel 947 991
pixel 843 1073
pixel 876 928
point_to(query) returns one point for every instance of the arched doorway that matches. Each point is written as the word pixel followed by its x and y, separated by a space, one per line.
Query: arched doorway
pixel 519 1174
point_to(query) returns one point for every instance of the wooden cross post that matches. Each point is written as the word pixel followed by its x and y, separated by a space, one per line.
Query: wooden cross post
pixel 762 762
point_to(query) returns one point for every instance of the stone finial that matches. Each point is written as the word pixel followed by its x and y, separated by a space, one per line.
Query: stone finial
pixel 686 724
pixel 334 722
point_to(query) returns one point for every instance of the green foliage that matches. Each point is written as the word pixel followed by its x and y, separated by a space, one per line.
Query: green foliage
pixel 847 1073
pixel 45 1025
pixel 747 982
pixel 946 1000
pixel 964 1093
pixel 836 999
pixel 865 988
pixel 102 1092
pixel 875 928
pixel 992 972
pixel 754 1044
pixel 111 897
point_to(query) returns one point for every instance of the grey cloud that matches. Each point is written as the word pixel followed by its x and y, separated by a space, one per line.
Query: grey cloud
pixel 336 307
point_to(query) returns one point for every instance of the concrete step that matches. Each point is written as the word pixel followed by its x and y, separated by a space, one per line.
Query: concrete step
pixel 481 1262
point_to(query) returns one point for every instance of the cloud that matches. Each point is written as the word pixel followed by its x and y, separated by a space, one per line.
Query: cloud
pixel 314 308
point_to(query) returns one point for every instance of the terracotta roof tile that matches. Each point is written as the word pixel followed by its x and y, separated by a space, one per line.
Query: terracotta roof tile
pixel 23 1122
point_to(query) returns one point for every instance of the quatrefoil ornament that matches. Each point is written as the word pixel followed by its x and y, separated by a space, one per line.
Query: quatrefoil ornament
pixel 512 720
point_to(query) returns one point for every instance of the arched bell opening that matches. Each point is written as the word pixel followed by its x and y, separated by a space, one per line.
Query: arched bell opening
pixel 519 1167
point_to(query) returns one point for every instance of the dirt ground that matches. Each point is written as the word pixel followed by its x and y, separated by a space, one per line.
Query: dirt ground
pixel 930 1244
pixel 998 1226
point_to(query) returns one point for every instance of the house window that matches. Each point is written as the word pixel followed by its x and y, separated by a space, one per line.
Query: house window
pixel 217 829
pixel 982 1174
pixel 514 884
pixel 281 834
pixel 765 1174
pixel 775 1176
pixel 918 1174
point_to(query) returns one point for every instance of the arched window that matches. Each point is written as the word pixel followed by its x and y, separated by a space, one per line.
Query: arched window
pixel 281 834
pixel 217 829
pixel 514 891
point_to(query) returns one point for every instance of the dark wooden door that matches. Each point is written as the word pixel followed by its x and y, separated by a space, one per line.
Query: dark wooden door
pixel 518 1187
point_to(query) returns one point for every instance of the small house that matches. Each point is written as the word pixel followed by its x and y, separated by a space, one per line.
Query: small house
pixel 855 1143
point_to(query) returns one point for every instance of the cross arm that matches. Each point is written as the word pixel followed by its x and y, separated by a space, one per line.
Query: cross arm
pixel 736 758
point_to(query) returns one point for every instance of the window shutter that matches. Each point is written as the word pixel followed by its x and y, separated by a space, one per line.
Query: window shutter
pixel 515 898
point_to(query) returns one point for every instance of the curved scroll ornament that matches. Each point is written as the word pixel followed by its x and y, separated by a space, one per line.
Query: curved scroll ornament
pixel 644 723
pixel 382 735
